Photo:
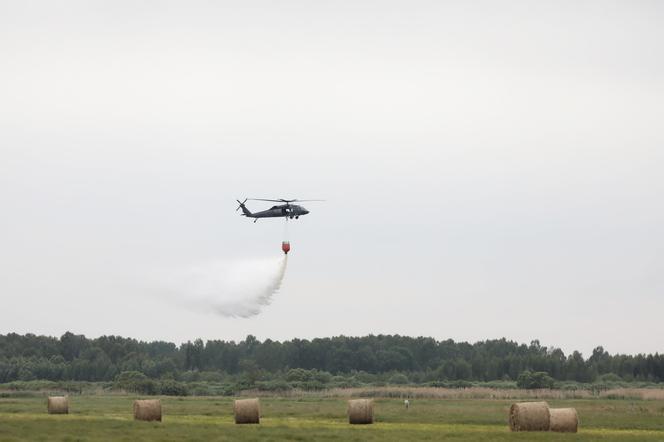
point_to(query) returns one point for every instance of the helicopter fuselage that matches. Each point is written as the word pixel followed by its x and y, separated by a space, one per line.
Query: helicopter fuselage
pixel 282 211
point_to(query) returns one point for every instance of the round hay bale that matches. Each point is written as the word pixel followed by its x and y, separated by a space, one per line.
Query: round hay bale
pixel 247 411
pixel 58 405
pixel 529 416
pixel 564 420
pixel 147 410
pixel 360 411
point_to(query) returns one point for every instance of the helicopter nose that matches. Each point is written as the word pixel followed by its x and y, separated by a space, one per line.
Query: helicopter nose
pixel 306 211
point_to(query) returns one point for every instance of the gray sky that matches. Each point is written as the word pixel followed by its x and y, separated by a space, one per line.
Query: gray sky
pixel 491 168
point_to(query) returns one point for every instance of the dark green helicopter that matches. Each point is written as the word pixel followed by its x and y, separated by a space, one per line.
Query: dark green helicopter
pixel 286 210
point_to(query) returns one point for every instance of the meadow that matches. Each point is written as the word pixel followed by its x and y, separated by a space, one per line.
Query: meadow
pixel 106 417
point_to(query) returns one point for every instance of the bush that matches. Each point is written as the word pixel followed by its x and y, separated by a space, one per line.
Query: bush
pixel 533 380
pixel 170 387
pixel 211 376
pixel 135 382
pixel 128 377
pixel 277 385
pixel 609 377
pixel 297 375
pixel 31 385
pixel 364 377
pixel 189 376
pixel 309 386
pixel 146 387
pixel 227 390
pixel 343 382
pixel 200 389
pixel 499 385
pixel 398 379
pixel 460 384
pixel 302 375
pixel 451 384
pixel 243 384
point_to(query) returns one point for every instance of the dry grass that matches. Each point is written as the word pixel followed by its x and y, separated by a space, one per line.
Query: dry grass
pixel 634 393
pixel 467 393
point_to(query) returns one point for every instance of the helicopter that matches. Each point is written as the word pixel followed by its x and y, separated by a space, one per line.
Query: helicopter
pixel 287 210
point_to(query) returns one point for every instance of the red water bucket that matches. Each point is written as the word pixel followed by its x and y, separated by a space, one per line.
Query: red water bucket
pixel 285 246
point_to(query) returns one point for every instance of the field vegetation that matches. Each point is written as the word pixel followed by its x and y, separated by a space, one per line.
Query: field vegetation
pixel 458 391
pixel 320 416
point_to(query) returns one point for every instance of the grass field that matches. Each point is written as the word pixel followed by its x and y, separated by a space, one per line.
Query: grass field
pixel 109 417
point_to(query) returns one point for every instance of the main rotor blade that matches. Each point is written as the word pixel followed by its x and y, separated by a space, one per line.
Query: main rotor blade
pixel 282 200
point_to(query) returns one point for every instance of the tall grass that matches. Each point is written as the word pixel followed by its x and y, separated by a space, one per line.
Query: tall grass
pixel 467 393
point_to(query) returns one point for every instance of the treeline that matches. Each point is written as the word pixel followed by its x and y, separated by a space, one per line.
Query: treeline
pixel 77 358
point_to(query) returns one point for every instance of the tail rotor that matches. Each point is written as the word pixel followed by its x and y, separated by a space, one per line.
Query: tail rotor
pixel 241 204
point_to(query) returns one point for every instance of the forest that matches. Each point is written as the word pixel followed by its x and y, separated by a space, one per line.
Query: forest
pixel 405 359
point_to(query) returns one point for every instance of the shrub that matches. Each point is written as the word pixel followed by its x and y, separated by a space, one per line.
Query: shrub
pixel 135 382
pixel 200 389
pixel 170 387
pixel 343 382
pixel 531 380
pixel 398 379
pixel 277 385
pixel 227 390
pixel 460 384
pixel 309 385
pixel 499 385
pixel 302 375
pixel 609 377
pixel 211 376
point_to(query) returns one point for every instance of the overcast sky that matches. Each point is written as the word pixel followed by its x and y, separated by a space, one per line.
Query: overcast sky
pixel 491 169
